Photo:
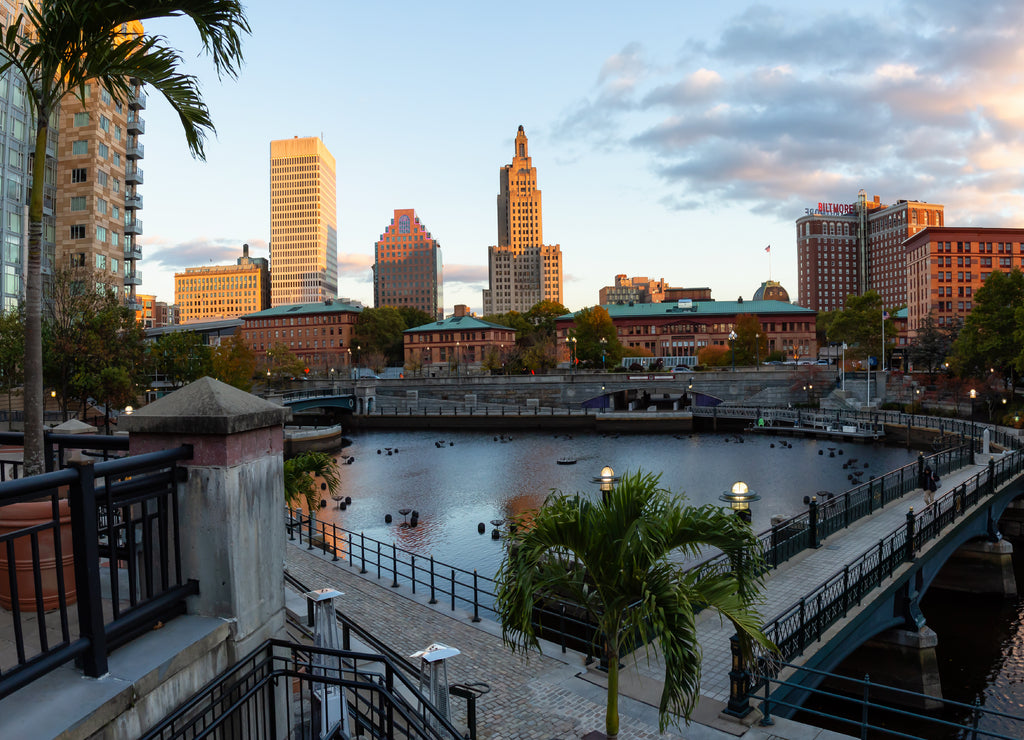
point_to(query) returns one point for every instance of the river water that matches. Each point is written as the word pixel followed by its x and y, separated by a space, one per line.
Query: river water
pixel 458 480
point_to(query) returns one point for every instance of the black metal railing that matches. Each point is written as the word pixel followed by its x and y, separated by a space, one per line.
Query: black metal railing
pixel 810 528
pixel 808 619
pixel 469 692
pixel 97 563
pixel 284 689
pixel 57 446
pixel 855 705
pixel 561 622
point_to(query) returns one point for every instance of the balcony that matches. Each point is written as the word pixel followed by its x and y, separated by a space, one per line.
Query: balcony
pixel 133 202
pixel 132 252
pixel 137 101
pixel 133 226
pixel 134 278
pixel 133 174
pixel 136 124
pixel 132 305
pixel 135 152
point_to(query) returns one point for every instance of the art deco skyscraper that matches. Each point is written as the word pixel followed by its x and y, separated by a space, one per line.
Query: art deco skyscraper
pixel 522 269
pixel 303 222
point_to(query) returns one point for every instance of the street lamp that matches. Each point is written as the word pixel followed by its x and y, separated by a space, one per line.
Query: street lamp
pixel 973 394
pixel 607 479
pixel 732 344
pixel 739 498
pixel 604 347
pixel 757 351
pixel 458 360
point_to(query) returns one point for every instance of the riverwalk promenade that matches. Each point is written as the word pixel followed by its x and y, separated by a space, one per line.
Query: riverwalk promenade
pixel 555 695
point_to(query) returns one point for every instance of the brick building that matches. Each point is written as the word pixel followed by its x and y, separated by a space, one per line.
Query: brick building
pixel 677 332
pixel 849 248
pixel 319 334
pixel 947 265
pixel 456 344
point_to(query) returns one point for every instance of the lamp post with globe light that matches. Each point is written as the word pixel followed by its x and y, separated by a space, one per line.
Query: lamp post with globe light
pixel 732 344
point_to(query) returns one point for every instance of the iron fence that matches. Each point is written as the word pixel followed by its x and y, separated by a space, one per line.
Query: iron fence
pixel 56 448
pixel 858 708
pixel 283 690
pixel 98 562
pixel 808 619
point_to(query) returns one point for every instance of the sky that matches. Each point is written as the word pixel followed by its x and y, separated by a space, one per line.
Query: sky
pixel 672 140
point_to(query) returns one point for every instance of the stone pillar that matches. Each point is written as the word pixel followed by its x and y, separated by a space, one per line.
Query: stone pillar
pixel 986 441
pixel 232 505
pixel 980 567
pixel 903 659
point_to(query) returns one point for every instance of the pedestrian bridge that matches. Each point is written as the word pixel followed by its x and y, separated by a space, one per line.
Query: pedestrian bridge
pixel 321 398
pixel 854 568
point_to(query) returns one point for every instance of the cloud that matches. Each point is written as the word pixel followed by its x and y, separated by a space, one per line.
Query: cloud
pixel 199 251
pixel 778 109
pixel 356 265
pixel 470 274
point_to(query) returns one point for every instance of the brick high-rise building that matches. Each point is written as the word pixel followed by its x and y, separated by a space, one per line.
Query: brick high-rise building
pixel 407 268
pixel 223 291
pixel 521 268
pixel 849 248
pixel 97 197
pixel 303 222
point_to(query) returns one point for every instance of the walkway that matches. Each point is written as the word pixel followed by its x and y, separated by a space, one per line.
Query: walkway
pixel 549 696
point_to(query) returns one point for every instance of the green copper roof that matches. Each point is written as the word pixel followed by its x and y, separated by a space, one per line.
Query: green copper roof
pixel 305 309
pixel 457 322
pixel 703 309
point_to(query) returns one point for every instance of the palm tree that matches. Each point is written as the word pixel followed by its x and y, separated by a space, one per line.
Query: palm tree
pixel 300 475
pixel 612 558
pixel 58 46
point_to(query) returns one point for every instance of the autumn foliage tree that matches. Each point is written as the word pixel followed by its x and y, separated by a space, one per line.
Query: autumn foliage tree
pixel 234 363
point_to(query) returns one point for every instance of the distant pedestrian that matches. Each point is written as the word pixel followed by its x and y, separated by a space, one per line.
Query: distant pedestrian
pixel 931 483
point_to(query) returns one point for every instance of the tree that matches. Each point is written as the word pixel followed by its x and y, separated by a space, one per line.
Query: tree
pixel 181 357
pixel 379 331
pixel 932 345
pixel 85 332
pixel 751 342
pixel 412 317
pixel 57 48
pixel 300 474
pixel 612 558
pixel 991 334
pixel 859 325
pixel 12 354
pixel 542 316
pixel 234 363
pixel 591 326
pixel 714 355
pixel 282 363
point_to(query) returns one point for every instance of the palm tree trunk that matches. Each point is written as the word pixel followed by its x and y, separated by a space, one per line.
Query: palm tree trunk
pixel 611 715
pixel 33 397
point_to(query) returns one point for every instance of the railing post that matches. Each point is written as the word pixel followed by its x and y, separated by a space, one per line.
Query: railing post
pixel 910 534
pixel 476 600
pixel 362 546
pixel 812 522
pixel 334 539
pixel 739 682
pixel 394 566
pixel 87 567
pixel 991 476
pixel 433 596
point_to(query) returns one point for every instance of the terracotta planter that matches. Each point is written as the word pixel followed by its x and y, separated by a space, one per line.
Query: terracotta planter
pixel 14 517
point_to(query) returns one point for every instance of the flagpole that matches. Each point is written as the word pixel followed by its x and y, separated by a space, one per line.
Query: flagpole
pixel 883 340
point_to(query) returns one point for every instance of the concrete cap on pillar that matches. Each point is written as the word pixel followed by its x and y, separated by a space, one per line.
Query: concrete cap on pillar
pixel 206 406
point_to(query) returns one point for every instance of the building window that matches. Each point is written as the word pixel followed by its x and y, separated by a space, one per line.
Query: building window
pixel 104 151
pixel 80 147
pixel 101 178
pixel 101 234
pixel 81 119
pixel 79 174
pixel 104 123
pixel 101 262
pixel 78 231
pixel 78 203
pixel 101 206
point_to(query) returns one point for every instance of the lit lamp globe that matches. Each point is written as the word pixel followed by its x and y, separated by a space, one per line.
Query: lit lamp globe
pixel 739 498
pixel 606 480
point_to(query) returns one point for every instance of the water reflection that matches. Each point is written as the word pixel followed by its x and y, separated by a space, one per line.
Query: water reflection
pixel 458 480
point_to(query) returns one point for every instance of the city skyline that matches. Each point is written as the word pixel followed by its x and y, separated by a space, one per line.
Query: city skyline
pixel 676 142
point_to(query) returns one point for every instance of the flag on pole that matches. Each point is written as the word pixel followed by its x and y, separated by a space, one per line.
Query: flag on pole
pixel 885 315
pixel 768 248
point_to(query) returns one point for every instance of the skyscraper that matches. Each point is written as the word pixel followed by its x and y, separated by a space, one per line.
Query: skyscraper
pixel 407 268
pixel 521 268
pixel 303 222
